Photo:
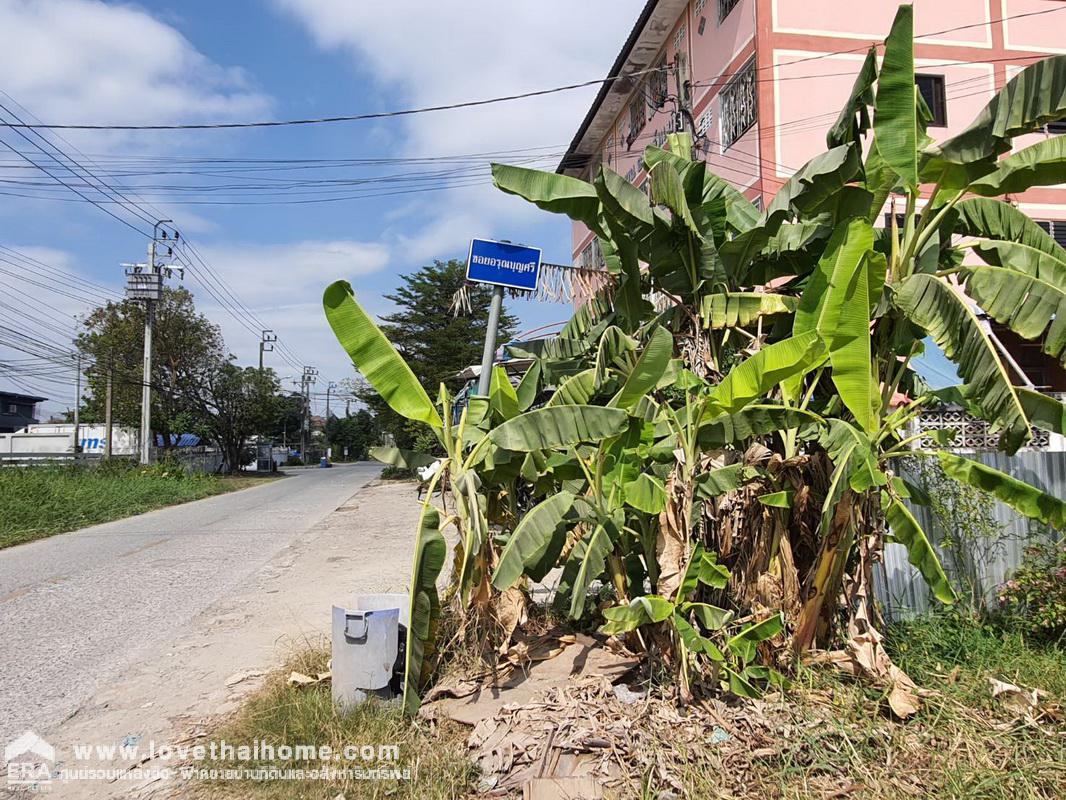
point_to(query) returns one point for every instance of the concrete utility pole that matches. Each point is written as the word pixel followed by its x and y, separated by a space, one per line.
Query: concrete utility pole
pixel 329 387
pixel 306 381
pixel 77 407
pixel 266 344
pixel 145 282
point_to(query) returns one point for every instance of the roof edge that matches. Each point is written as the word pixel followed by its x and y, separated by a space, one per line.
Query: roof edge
pixel 605 87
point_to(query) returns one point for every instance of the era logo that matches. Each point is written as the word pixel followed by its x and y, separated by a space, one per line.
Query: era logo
pixel 29 760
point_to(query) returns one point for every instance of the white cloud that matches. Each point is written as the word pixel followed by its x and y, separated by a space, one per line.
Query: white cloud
pixel 451 51
pixel 282 285
pixel 88 61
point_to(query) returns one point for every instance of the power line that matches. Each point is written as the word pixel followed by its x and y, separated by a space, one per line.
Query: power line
pixel 348 117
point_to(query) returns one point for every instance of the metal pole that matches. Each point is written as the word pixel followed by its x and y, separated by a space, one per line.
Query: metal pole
pixel 261 343
pixel 107 414
pixel 490 342
pixel 77 408
pixel 146 377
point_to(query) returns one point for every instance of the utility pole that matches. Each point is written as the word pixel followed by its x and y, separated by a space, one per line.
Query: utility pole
pixel 107 412
pixel 266 344
pixel 77 406
pixel 329 387
pixel 306 380
pixel 145 282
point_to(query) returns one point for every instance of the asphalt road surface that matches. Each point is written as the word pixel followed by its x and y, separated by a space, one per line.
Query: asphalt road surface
pixel 78 608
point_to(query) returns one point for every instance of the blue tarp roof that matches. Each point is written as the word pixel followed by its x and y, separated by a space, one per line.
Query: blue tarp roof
pixel 183 440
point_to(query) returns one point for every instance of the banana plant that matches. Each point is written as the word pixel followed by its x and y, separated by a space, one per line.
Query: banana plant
pixel 814 368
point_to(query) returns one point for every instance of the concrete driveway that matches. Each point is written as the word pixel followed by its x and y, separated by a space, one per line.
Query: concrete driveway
pixel 78 609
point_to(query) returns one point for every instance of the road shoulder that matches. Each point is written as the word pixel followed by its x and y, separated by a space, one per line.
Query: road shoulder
pixel 222 655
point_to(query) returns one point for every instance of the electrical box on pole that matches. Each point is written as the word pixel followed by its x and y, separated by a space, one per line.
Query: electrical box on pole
pixel 144 283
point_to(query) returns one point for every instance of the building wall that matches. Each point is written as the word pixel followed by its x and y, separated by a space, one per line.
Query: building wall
pixel 806 54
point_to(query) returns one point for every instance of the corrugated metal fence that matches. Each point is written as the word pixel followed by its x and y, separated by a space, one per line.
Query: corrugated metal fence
pixel 989 561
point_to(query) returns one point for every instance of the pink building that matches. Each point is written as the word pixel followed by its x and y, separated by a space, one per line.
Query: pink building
pixel 759 82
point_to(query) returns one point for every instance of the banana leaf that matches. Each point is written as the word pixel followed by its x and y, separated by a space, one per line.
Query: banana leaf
pixel 430 553
pixel 920 552
pixel 1032 98
pixel 732 309
pixel 559 194
pixel 375 357
pixel 536 543
pixel 559 426
pixel 1032 307
pixel 937 308
pixel 896 125
pixel 1023 498
pixel 759 374
pixel 647 371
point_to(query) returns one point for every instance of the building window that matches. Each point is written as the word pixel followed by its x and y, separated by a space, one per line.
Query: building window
pixel 1056 228
pixel 584 258
pixel 658 88
pixel 638 115
pixel 703 124
pixel 12 408
pixel 738 105
pixel 679 39
pixel 1056 127
pixel 724 7
pixel 700 5
pixel 932 90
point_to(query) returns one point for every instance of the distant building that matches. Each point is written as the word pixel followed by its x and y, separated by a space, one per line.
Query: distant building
pixel 759 82
pixel 17 411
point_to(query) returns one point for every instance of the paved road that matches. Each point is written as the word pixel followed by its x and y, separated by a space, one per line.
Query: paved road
pixel 77 609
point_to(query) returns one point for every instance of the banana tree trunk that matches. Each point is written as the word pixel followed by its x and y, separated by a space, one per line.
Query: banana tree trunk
pixel 823 582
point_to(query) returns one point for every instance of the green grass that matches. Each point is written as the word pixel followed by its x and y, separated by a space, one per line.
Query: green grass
pixel 961 744
pixel 832 736
pixel 281 714
pixel 36 502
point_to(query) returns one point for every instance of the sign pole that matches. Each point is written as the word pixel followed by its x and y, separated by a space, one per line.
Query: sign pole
pixel 490 342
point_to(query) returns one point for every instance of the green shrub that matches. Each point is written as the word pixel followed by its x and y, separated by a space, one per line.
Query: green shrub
pixel 1035 596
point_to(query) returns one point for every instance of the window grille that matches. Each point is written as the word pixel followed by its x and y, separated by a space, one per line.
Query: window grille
pixel 638 115
pixel 584 259
pixel 658 88
pixel 679 39
pixel 724 7
pixel 700 4
pixel 1057 229
pixel 739 106
pixel 597 259
pixel 703 124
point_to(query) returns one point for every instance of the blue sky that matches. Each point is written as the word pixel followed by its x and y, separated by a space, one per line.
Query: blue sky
pixel 88 61
pixel 91 61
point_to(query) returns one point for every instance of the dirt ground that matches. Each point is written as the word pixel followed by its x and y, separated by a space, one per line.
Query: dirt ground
pixel 362 547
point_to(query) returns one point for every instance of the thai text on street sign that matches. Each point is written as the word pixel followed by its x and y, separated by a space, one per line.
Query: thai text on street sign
pixel 503 264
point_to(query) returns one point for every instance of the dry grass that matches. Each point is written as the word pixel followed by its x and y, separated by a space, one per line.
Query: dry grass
pixel 829 737
pixel 281 714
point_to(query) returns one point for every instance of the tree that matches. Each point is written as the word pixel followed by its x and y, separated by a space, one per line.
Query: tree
pixel 186 349
pixel 436 343
pixel 286 424
pixel 735 451
pixel 355 434
pixel 235 403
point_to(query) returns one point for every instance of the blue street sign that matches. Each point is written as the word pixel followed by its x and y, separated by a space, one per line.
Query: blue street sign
pixel 503 264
